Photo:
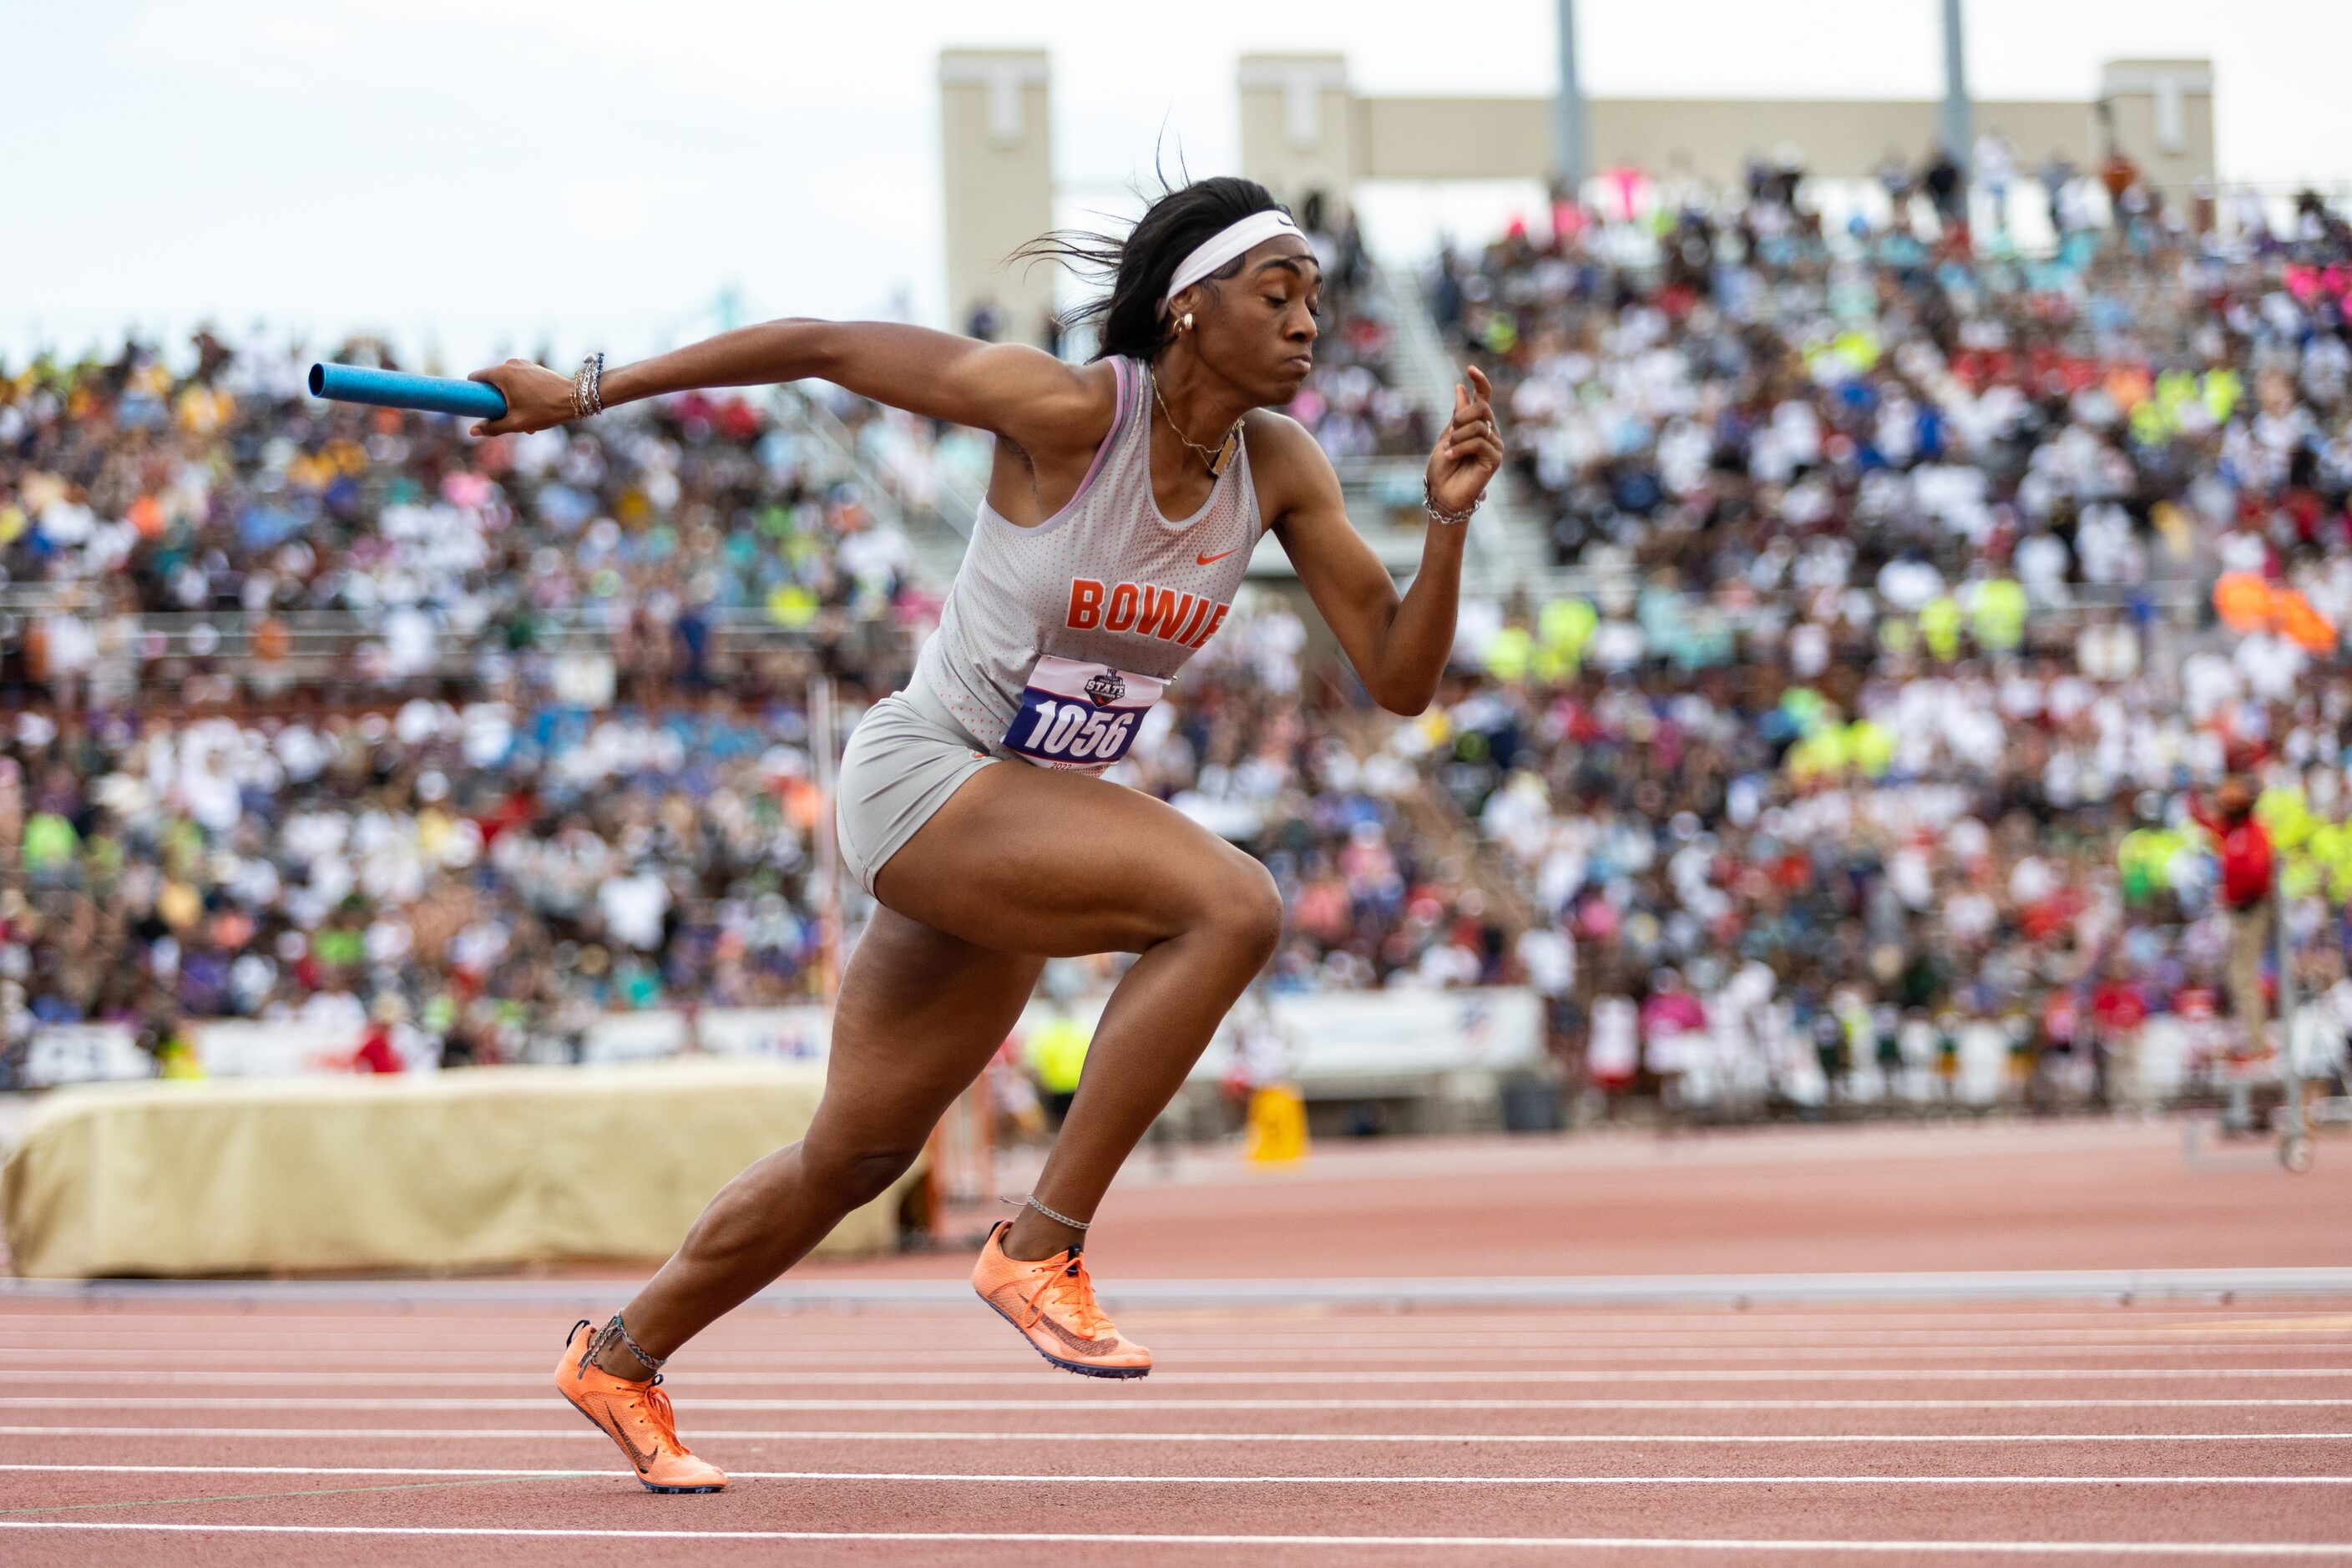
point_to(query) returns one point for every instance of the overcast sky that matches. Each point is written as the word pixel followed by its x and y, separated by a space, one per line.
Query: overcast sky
pixel 475 176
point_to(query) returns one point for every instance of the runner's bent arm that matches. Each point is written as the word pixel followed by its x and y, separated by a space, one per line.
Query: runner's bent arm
pixel 1022 393
pixel 1398 645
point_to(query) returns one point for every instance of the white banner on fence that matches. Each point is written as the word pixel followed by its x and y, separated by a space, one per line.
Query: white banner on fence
pixel 1397 1034
pixel 1359 1034
pixel 1343 1035
pixel 85 1053
pixel 250 1047
pixel 793 1033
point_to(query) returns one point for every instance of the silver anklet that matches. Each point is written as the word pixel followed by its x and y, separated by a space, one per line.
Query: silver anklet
pixel 1049 1214
pixel 618 1329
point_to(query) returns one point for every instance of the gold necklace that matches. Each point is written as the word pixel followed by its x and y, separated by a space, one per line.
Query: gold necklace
pixel 1217 459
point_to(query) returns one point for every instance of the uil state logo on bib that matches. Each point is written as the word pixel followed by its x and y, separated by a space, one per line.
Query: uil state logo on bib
pixel 1079 715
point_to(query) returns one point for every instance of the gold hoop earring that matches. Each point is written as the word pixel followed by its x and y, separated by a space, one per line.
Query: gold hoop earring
pixel 1185 323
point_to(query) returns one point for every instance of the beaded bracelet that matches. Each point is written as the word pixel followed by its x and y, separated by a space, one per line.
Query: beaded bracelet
pixel 616 1329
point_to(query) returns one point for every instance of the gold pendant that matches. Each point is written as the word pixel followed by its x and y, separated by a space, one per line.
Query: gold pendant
pixel 1223 459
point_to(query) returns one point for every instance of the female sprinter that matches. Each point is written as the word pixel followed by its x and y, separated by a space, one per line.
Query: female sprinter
pixel 1125 497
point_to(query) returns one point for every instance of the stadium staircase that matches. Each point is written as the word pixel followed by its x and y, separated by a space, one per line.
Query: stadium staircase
pixel 1508 547
pixel 1433 820
pixel 936 528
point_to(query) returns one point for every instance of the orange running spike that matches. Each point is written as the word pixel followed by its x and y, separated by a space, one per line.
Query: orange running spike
pixel 636 1416
pixel 1051 1303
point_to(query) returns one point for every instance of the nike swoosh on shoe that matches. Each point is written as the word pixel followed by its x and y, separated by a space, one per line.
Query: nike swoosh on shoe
pixel 1009 1303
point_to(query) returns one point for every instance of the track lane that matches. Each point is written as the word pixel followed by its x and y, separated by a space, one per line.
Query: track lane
pixel 1627 1437
pixel 2191 1510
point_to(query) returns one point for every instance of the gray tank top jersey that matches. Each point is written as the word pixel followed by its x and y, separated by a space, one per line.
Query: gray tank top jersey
pixel 1106 580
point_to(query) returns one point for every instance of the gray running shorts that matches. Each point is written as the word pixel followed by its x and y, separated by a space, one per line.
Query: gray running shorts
pixel 900 766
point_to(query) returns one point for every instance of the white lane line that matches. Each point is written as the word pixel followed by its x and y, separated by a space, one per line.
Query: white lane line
pixel 941 1347
pixel 1072 1538
pixel 859 1435
pixel 1112 1404
pixel 286 1301
pixel 1239 1361
pixel 1981 1289
pixel 952 1346
pixel 1018 1374
pixel 1433 1352
pixel 1049 1476
pixel 843 1332
pixel 262 1301
pixel 1341 1333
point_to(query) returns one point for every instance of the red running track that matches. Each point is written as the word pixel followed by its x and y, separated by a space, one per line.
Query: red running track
pixel 1781 1200
pixel 398 1426
pixel 140 1433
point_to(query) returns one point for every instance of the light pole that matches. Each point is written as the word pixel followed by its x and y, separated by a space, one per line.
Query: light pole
pixel 1568 149
pixel 1953 126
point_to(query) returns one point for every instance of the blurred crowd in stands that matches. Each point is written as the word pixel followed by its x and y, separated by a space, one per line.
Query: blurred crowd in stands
pixel 220 495
pixel 327 712
pixel 1881 726
pixel 1852 760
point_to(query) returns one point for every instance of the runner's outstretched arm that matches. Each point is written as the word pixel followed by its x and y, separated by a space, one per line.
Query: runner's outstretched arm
pixel 1022 393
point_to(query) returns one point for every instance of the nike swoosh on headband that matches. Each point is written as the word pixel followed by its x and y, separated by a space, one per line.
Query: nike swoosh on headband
pixel 1234 239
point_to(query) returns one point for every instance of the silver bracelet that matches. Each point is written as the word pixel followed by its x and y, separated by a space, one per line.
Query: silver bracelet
pixel 588 387
pixel 1057 1218
pixel 1451 519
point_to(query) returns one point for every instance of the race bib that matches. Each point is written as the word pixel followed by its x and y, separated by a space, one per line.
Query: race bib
pixel 1079 715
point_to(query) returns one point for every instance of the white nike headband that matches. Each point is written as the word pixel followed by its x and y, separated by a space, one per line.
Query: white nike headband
pixel 1234 239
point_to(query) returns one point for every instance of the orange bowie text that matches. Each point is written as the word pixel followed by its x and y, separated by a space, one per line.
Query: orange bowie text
pixel 1144 608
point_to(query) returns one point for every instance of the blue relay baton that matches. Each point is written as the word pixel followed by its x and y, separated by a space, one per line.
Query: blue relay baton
pixel 398 389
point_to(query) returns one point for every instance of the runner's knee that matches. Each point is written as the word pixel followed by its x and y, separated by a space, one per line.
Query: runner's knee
pixel 1246 906
pixel 858 1174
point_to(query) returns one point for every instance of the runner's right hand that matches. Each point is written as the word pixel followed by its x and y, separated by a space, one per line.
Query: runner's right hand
pixel 537 397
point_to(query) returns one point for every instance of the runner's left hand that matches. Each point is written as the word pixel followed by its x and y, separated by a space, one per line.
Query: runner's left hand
pixel 1470 450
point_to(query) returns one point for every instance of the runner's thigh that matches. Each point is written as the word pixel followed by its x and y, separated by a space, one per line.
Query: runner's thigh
pixel 1031 860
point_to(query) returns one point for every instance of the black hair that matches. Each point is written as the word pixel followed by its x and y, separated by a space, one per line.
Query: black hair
pixel 1127 320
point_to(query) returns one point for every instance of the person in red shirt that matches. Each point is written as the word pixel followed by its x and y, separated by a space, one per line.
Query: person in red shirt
pixel 377 1053
pixel 2117 1011
pixel 2246 851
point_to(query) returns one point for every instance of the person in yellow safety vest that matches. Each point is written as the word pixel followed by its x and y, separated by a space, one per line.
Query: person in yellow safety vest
pixel 1509 654
pixel 1998 612
pixel 2223 388
pixel 2286 816
pixel 1563 627
pixel 1823 751
pixel 2332 849
pixel 1940 628
pixel 1869 748
pixel 2144 860
pixel 1054 1054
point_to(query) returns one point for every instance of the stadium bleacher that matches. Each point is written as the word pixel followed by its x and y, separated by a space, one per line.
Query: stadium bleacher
pixel 1838 672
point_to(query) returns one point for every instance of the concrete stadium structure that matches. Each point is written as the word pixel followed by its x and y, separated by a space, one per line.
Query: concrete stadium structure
pixel 1305 128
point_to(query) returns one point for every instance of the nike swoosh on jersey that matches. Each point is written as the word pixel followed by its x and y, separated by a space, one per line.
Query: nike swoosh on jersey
pixel 1212 560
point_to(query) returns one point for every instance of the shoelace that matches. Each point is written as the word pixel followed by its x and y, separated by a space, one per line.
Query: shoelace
pixel 1073 1291
pixel 655 1411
